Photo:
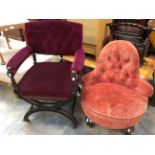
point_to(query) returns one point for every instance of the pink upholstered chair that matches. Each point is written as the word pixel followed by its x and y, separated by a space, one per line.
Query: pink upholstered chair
pixel 50 86
pixel 114 96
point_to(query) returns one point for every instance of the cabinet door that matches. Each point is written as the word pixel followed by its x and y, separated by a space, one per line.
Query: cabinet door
pixel 94 32
pixel 102 33
pixel 90 30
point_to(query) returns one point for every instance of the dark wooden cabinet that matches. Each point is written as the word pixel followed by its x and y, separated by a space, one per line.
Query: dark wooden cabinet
pixel 134 30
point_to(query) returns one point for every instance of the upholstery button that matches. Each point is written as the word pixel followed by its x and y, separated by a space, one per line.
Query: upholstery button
pixel 112 66
pixel 120 66
pixel 127 60
pixel 127 75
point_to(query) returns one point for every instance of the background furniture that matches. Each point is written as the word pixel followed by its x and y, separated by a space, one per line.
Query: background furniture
pixel 50 86
pixel 151 23
pixel 6 26
pixel 135 31
pixel 93 35
pixel 114 96
pixel 17 34
pixel 2 59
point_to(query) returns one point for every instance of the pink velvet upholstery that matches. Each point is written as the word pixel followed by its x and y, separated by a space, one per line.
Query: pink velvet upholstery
pixel 114 96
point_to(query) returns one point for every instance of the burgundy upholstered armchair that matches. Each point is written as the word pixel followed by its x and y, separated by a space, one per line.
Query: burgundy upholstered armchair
pixel 113 95
pixel 50 86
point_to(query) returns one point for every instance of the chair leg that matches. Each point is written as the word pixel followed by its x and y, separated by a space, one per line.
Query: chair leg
pixel 69 116
pixel 22 34
pixel 2 59
pixel 89 122
pixel 74 103
pixel 30 111
pixel 34 109
pixel 79 88
pixel 128 131
pixel 7 39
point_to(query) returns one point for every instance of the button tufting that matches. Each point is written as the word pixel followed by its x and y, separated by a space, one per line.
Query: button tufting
pixel 125 74
pixel 127 60
pixel 112 66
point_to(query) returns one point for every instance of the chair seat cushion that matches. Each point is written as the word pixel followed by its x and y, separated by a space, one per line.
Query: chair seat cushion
pixel 112 105
pixel 47 80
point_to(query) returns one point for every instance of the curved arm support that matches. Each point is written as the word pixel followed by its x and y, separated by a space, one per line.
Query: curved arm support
pixel 144 88
pixel 16 61
pixel 78 63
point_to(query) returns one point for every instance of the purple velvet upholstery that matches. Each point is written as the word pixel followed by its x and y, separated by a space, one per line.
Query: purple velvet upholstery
pixel 44 81
pixel 54 36
pixel 78 60
pixel 16 61
pixel 114 96
pixel 50 80
pixel 50 86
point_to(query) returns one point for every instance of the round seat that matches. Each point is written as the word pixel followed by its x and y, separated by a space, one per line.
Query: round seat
pixel 111 105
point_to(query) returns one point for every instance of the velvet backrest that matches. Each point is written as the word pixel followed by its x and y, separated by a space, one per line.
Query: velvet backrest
pixel 54 37
pixel 118 62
